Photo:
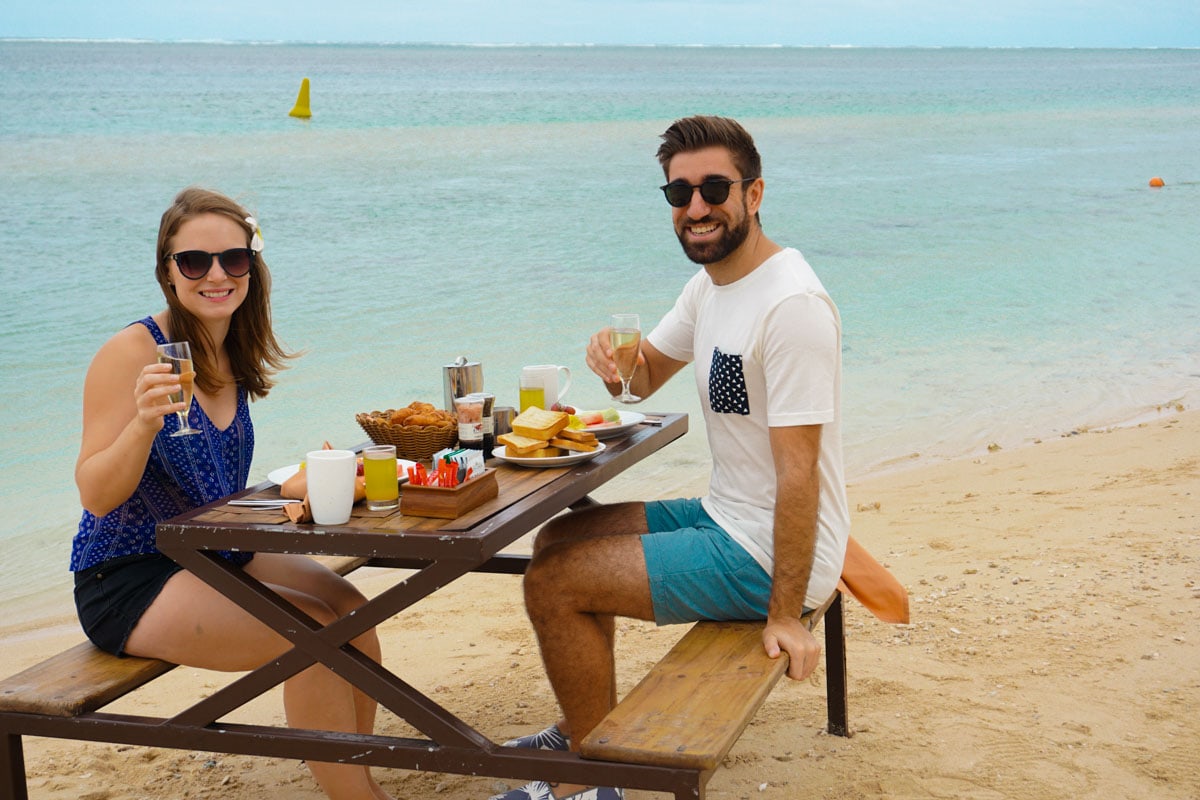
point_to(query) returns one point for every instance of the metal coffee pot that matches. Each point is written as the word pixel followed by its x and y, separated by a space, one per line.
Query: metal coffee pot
pixel 460 379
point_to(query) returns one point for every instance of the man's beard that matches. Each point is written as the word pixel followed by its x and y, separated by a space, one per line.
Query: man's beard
pixel 712 252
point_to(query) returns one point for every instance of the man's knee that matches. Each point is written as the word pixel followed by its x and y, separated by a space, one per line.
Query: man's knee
pixel 540 577
pixel 554 531
pixel 555 582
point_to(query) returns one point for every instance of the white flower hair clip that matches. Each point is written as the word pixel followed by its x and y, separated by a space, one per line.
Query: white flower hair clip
pixel 256 242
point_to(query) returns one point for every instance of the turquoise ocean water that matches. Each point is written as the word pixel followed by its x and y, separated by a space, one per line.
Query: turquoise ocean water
pixel 981 217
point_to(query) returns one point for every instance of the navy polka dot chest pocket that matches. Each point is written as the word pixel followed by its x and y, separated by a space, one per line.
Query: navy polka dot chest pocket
pixel 727 384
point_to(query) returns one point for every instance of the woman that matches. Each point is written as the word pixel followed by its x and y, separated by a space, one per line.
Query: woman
pixel 132 474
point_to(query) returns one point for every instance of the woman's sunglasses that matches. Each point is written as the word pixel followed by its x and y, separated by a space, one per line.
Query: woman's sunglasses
pixel 195 264
pixel 713 191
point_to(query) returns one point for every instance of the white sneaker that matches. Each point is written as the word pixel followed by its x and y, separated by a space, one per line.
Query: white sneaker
pixel 540 790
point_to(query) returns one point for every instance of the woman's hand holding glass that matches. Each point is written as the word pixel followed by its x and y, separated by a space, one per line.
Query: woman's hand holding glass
pixel 178 355
pixel 152 395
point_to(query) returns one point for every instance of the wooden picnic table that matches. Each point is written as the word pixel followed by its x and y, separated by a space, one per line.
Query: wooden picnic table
pixel 428 554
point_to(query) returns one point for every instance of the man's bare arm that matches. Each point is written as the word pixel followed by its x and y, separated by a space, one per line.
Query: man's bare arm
pixel 797 491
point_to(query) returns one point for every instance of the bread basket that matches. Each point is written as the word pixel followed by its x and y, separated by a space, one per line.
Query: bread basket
pixel 413 442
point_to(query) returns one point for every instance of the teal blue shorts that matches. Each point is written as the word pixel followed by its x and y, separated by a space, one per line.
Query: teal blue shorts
pixel 696 571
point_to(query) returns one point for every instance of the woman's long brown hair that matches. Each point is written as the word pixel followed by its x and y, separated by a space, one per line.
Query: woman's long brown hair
pixel 255 355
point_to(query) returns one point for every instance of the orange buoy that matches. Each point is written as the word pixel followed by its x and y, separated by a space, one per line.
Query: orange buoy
pixel 1156 182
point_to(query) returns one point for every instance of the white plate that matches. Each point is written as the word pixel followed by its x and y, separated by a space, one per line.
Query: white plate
pixel 278 476
pixel 572 457
pixel 611 429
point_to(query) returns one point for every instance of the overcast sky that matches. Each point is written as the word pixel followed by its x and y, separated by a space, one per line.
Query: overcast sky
pixel 986 23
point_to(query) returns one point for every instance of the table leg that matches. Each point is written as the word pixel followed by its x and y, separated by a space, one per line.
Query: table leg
pixel 328 646
pixel 12 768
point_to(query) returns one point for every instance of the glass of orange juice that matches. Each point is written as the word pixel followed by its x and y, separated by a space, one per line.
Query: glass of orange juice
pixel 379 469
pixel 532 391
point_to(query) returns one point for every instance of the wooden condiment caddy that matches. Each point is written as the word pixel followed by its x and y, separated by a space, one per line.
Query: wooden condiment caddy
pixel 435 501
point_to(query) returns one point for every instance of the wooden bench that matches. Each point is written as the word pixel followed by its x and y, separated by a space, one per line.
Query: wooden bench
pixel 84 678
pixel 80 680
pixel 77 681
pixel 694 704
pixel 685 715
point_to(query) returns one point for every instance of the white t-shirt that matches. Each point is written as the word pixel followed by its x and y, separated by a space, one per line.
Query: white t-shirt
pixel 768 354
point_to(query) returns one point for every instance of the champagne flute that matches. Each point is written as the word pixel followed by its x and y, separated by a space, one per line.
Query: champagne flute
pixel 625 335
pixel 179 356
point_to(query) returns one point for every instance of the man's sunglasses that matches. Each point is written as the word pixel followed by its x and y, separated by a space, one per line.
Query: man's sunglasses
pixel 195 264
pixel 713 191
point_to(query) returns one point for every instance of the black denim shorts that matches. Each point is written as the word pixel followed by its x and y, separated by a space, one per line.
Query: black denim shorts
pixel 111 597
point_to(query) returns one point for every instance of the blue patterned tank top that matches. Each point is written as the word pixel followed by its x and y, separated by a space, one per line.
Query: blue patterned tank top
pixel 182 473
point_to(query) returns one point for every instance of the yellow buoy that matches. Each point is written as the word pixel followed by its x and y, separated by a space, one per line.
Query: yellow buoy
pixel 1156 182
pixel 301 108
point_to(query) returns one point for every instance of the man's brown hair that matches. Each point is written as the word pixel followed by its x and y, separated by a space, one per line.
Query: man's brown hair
pixel 698 132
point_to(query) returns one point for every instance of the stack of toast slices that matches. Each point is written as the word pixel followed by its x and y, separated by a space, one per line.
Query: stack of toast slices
pixel 538 433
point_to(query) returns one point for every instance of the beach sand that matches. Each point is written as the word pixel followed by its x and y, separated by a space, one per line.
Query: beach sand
pixel 1052 652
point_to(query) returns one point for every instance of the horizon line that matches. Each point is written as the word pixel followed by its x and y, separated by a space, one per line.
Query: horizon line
pixel 581 45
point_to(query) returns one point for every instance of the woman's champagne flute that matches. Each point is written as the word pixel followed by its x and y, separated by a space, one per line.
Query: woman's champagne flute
pixel 179 356
pixel 625 335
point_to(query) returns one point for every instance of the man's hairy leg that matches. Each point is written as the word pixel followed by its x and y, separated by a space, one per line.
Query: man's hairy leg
pixel 573 589
pixel 589 523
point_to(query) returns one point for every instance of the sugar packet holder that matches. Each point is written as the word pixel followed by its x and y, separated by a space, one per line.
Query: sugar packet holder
pixel 465 457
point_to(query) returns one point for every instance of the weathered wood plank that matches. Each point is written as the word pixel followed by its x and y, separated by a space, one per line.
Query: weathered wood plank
pixel 694 704
pixel 85 678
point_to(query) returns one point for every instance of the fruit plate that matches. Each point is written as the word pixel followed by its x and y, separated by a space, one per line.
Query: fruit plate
pixel 278 476
pixel 501 453
pixel 608 430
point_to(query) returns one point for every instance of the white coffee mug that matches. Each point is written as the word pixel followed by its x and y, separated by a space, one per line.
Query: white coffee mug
pixel 331 476
pixel 547 376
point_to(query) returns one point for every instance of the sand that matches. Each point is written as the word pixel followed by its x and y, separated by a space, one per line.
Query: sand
pixel 1053 650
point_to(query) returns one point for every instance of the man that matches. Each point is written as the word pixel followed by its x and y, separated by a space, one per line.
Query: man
pixel 769 539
